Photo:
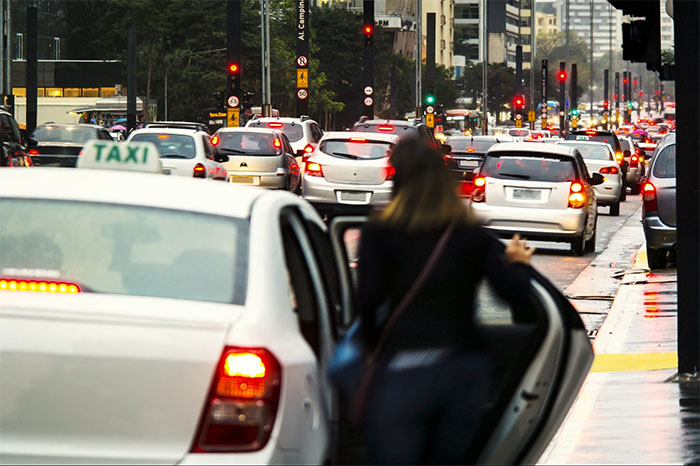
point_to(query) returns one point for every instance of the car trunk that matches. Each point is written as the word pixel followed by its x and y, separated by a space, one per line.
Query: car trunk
pixel 57 154
pixel 253 163
pixel 594 165
pixel 179 167
pixel 526 193
pixel 666 200
pixel 103 378
pixel 356 171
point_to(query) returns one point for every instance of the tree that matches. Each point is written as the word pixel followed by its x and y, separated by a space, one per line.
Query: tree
pixel 501 82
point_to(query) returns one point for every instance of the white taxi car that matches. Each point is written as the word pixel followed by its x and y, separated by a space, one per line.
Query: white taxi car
pixel 149 319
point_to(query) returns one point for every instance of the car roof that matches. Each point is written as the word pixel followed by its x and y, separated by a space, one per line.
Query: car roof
pixel 284 119
pixel 161 130
pixel 388 137
pixel 553 149
pixel 72 125
pixel 389 122
pixel 571 142
pixel 497 138
pixel 249 129
pixel 130 188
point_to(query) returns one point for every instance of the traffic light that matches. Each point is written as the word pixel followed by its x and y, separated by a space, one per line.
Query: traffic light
pixel 624 81
pixel 233 83
pixel 519 103
pixel 430 98
pixel 368 30
pixel 574 112
pixel 606 105
pixel 561 76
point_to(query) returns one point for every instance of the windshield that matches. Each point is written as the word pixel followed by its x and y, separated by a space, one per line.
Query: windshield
pixel 247 143
pixel 356 149
pixel 126 250
pixel 592 151
pixel 293 131
pixel 178 146
pixel 64 133
pixel 665 165
pixel 467 145
pixel 528 167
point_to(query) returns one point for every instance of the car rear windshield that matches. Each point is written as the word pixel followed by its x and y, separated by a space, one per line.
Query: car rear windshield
pixel 293 131
pixel 246 143
pixel 464 145
pixel 665 165
pixel 535 167
pixel 64 134
pixel 125 250
pixel 592 151
pixel 625 145
pixel 387 128
pixel 356 148
pixel 172 146
pixel 518 133
pixel 614 142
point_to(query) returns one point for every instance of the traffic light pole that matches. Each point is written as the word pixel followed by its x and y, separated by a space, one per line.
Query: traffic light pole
pixel 419 61
pixel 303 56
pixel 368 29
pixel 617 99
pixel 518 113
pixel 562 98
pixel 430 100
pixel 606 98
pixel 234 68
pixel 573 93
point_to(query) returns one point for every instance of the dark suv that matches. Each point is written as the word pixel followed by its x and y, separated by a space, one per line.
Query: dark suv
pixel 14 149
pixel 59 145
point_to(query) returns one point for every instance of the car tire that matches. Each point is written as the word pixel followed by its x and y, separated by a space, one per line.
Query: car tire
pixel 578 245
pixel 615 209
pixel 656 258
pixel 636 189
pixel 590 244
pixel 623 194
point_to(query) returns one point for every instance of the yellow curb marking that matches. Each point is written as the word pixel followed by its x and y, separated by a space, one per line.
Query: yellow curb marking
pixel 627 362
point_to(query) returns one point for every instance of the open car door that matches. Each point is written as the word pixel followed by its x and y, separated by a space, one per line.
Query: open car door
pixel 541 354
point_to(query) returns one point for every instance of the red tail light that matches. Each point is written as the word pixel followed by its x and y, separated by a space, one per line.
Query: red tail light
pixel 41 286
pixel 649 197
pixel 619 156
pixel 358 140
pixel 274 125
pixel 242 404
pixel 470 149
pixel 591 133
pixel 611 170
pixel 33 152
pixel 277 143
pixel 390 171
pixel 214 140
pixel 479 190
pixel 308 149
pixel 634 161
pixel 314 169
pixel 385 128
pixel 577 197
pixel 199 171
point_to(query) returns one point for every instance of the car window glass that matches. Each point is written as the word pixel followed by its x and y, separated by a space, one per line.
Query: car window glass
pixel 469 145
pixel 665 164
pixel 326 260
pixel 287 146
pixel 52 133
pixel 126 250
pixel 248 143
pixel 388 128
pixel 208 152
pixel 177 146
pixel 294 131
pixel 592 151
pixel 529 167
pixel 356 149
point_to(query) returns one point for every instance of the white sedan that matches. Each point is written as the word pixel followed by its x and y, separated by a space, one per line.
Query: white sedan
pixel 150 319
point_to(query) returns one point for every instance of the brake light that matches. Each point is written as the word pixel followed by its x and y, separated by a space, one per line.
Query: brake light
pixel 611 170
pixel 41 286
pixel 199 171
pixel 277 143
pixel 163 136
pixel 619 156
pixel 634 161
pixel 470 149
pixel 591 133
pixel 242 404
pixel 274 125
pixel 358 140
pixel 479 191
pixel 314 169
pixel 33 152
pixel 385 128
pixel 214 140
pixel 308 149
pixel 576 196
pixel 649 197
pixel 390 171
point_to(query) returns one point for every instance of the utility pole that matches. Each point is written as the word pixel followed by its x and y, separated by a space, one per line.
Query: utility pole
pixel 562 98
pixel 368 29
pixel 265 53
pixel 533 48
pixel 517 114
pixel 484 68
pixel 235 68
pixel 419 61
pixel 617 98
pixel 430 99
pixel 590 64
pixel 573 95
pixel 6 57
pixel 32 39
pixel 303 57
pixel 606 99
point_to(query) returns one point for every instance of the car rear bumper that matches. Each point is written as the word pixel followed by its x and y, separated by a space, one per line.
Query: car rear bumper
pixel 658 235
pixel 262 179
pixel 607 193
pixel 318 190
pixel 633 175
pixel 544 224
pixel 42 160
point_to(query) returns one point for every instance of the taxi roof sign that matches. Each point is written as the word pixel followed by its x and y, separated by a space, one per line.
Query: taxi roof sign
pixel 112 155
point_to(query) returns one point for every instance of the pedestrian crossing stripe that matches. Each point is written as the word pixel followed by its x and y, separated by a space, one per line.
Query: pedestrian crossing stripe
pixel 629 362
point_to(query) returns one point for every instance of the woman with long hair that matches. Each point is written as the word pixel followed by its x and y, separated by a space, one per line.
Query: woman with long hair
pixel 432 375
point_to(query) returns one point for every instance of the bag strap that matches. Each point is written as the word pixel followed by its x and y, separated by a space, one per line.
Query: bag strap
pixel 413 290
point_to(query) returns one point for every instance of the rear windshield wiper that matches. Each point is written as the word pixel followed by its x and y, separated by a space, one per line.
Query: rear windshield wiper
pixel 233 151
pixel 350 156
pixel 515 175
pixel 174 156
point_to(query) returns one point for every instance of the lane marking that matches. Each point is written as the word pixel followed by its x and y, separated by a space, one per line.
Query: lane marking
pixel 629 362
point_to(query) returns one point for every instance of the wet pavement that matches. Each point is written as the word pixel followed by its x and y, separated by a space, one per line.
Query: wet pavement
pixel 632 409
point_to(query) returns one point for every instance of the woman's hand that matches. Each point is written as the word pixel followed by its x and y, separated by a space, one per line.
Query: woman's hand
pixel 517 250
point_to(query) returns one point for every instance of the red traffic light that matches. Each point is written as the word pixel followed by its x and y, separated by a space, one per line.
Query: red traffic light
pixel 635 82
pixel 233 68
pixel 606 104
pixel 624 81
pixel 561 76
pixel 368 29
pixel 519 101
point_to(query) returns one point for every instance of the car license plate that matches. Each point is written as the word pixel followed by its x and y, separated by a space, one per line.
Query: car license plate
pixel 526 194
pixel 354 196
pixel 241 179
pixel 469 163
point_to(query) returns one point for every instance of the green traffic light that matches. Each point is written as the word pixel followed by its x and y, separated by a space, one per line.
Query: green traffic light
pixel 430 99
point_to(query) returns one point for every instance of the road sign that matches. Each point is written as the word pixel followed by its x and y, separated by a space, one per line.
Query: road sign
pixel 518 123
pixel 233 101
pixel 369 90
pixel 369 101
pixel 544 123
pixel 518 117
pixel 429 109
pixel 302 77
pixel 561 113
pixel 233 117
pixel 430 120
pixel 302 94
pixel 302 61
pixel 531 115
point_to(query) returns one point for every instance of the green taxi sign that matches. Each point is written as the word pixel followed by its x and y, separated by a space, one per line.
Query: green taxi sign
pixel 132 156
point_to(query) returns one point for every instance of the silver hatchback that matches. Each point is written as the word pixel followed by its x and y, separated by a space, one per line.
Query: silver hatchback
pixel 659 204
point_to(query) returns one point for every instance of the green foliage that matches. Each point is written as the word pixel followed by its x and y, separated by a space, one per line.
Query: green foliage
pixel 501 81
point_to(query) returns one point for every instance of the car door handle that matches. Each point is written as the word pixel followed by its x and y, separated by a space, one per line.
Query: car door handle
pixel 527 396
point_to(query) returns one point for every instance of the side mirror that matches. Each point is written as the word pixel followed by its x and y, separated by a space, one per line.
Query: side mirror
pixel 31 142
pixel 627 153
pixel 596 179
pixel 445 148
pixel 300 153
pixel 221 158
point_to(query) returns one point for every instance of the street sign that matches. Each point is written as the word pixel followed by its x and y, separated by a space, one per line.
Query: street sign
pixel 369 90
pixel 302 61
pixel 544 123
pixel 233 101
pixel 302 94
pixel 518 117
pixel 430 120
pixel 531 115
pixel 518 123
pixel 561 113
pixel 369 101
pixel 429 109
pixel 302 77
pixel 233 117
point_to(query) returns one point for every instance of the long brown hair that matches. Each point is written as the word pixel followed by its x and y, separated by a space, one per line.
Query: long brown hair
pixel 424 193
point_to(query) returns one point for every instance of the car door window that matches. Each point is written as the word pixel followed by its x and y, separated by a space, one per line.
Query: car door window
pixel 329 271
pixel 208 152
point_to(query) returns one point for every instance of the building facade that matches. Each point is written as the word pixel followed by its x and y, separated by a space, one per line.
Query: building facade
pixel 546 23
pixel 606 20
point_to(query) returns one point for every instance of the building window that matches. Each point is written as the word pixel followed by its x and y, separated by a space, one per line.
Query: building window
pixel 54 92
pixel 20 46
pixel 108 92
pixel 91 92
pixel 71 92
pixel 19 91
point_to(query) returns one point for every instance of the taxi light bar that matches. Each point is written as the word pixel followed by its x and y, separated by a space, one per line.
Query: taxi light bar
pixel 385 128
pixel 41 286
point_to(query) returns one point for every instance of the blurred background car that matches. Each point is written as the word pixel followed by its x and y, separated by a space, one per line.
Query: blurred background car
pixel 59 145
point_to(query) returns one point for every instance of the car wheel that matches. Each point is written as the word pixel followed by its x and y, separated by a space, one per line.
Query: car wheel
pixel 656 258
pixel 615 209
pixel 623 194
pixel 590 244
pixel 636 189
pixel 578 245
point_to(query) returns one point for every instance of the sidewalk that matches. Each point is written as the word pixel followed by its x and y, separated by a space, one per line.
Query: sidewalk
pixel 628 410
